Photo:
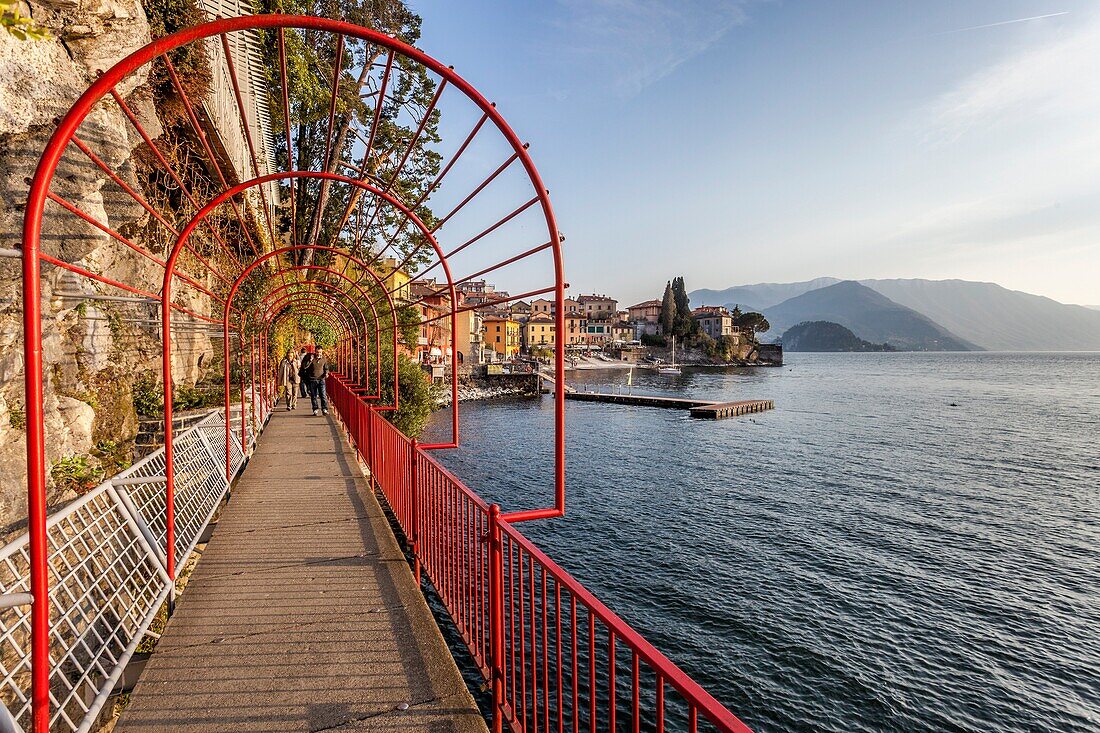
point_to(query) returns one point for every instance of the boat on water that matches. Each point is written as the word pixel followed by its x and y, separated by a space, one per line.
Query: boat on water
pixel 670 368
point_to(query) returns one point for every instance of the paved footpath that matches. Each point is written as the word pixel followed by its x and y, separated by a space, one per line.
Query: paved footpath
pixel 302 614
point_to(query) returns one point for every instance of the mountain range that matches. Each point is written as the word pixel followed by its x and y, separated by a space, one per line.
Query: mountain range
pixel 921 314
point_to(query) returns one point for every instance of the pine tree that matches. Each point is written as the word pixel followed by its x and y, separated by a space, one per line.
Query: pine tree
pixel 668 310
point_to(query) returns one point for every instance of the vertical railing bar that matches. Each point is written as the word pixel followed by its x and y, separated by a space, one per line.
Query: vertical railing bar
pixel 660 713
pixel 592 671
pixel 612 702
pixel 545 659
pixel 573 647
pixel 558 658
pixel 634 689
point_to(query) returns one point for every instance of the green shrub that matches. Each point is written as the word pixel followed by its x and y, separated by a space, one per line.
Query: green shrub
pixel 76 473
pixel 148 396
pixel 112 456
pixel 417 398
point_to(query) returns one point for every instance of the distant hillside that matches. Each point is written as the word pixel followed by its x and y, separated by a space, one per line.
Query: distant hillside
pixel 870 315
pixel 826 336
pixel 997 318
pixel 759 296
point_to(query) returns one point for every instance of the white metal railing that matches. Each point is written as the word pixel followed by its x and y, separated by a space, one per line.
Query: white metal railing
pixel 107 574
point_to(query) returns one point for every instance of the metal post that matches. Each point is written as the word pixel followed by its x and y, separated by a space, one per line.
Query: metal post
pixel 496 617
pixel 244 415
pixel 36 464
pixel 252 371
pixel 414 498
pixel 369 455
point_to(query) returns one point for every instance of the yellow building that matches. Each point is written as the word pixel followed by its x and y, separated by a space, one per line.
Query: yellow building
pixel 469 334
pixel 397 281
pixel 539 331
pixel 502 335
pixel 574 329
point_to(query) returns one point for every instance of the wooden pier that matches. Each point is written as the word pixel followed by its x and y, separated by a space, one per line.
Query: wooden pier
pixel 718 410
pixel 697 408
pixel 682 403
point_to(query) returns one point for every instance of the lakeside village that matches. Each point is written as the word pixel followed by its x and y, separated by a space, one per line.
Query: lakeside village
pixel 497 336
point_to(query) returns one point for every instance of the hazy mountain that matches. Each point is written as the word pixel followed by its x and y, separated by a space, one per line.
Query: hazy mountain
pixel 826 336
pixel 997 318
pixel 759 296
pixel 984 314
pixel 869 315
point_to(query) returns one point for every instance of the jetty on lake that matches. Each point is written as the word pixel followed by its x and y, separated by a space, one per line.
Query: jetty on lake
pixel 695 407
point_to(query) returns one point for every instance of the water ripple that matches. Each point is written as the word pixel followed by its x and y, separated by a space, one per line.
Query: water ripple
pixel 863 558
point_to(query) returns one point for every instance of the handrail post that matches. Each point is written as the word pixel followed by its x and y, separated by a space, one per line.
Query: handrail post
pixel 369 454
pixel 496 617
pixel 414 499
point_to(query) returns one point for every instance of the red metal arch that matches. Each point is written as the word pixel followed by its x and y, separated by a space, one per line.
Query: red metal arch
pixel 287 301
pixel 33 256
pixel 284 298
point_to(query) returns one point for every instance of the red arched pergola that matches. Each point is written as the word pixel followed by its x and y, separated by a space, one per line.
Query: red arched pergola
pixel 354 246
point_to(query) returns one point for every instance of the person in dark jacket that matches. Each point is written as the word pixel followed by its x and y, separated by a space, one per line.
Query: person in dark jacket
pixel 303 383
pixel 316 372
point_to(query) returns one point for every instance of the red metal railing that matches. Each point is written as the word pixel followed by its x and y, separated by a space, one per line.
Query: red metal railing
pixel 556 658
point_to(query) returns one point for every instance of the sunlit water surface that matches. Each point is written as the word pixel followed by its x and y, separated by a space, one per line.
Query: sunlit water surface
pixel 866 557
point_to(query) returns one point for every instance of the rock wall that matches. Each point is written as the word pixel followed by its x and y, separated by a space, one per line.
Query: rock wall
pixel 92 349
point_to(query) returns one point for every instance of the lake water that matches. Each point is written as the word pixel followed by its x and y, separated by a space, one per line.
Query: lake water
pixel 865 557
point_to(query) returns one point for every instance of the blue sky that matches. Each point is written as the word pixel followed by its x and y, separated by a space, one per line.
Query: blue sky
pixel 739 142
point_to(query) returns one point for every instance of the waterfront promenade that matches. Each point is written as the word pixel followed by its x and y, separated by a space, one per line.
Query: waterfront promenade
pixel 302 613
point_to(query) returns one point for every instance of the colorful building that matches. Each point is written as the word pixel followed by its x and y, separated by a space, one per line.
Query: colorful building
pixel 542 305
pixel 648 311
pixel 574 330
pixel 539 330
pixel 501 335
pixel 715 321
pixel 599 332
pixel 597 306
pixel 468 338
pixel 433 344
pixel 397 281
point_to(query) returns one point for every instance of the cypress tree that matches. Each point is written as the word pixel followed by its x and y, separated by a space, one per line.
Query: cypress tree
pixel 668 310
pixel 683 323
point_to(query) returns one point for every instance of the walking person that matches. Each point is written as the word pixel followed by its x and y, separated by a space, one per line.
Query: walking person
pixel 316 373
pixel 304 358
pixel 289 379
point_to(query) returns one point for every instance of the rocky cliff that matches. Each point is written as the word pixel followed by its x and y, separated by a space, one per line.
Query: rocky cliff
pixel 92 349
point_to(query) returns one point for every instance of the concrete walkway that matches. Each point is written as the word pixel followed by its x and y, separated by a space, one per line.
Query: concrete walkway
pixel 302 614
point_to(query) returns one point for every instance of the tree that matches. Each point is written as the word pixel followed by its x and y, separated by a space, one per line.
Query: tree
pixel 727 347
pixel 327 214
pixel 754 321
pixel 668 310
pixel 683 323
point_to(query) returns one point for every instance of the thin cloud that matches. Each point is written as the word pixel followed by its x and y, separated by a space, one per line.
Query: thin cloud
pixel 1000 23
pixel 1055 77
pixel 639 42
